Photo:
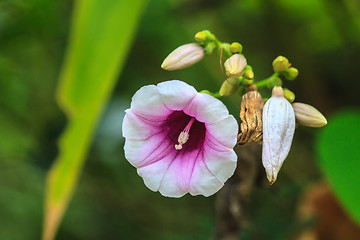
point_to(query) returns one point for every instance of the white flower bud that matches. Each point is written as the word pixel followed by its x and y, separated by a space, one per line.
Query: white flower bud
pixel 278 132
pixel 309 116
pixel 235 65
pixel 183 57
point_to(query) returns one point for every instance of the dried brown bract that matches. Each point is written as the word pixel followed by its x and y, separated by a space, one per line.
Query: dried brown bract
pixel 251 117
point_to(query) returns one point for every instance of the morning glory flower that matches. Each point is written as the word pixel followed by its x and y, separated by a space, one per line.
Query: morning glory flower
pixel 180 140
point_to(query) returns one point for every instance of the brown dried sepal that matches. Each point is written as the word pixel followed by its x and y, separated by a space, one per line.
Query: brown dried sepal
pixel 251 117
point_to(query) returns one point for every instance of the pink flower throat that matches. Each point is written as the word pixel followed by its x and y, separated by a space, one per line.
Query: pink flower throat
pixel 184 131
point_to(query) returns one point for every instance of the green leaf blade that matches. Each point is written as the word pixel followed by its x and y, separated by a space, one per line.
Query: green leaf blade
pixel 338 148
pixel 100 37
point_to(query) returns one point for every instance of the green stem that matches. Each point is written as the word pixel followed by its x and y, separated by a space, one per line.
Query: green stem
pixel 215 95
pixel 217 42
pixel 264 83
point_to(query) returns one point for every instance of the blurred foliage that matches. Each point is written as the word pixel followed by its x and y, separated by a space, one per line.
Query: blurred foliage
pixel 95 55
pixel 340 158
pixel 320 37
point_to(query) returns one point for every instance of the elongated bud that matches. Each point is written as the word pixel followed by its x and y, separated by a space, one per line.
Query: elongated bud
pixel 236 47
pixel 280 64
pixel 183 57
pixel 307 115
pixel 235 65
pixel 278 132
pixel 251 117
pixel 291 73
pixel 229 87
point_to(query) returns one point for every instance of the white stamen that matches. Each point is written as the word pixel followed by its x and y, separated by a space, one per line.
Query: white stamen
pixel 184 135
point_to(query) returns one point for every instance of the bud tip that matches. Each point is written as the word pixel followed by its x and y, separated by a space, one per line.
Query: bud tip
pixel 277 91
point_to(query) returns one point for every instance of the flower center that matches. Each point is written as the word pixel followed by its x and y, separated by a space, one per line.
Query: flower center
pixel 179 126
pixel 184 135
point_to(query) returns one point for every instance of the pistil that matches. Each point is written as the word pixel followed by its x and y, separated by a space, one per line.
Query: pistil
pixel 184 135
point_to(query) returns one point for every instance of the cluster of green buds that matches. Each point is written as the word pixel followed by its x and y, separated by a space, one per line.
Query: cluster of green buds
pixel 269 120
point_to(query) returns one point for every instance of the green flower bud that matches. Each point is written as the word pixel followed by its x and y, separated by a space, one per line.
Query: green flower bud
pixel 309 116
pixel 273 82
pixel 291 73
pixel 248 74
pixel 205 35
pixel 289 95
pixel 236 47
pixel 235 65
pixel 229 87
pixel 183 57
pixel 200 36
pixel 280 64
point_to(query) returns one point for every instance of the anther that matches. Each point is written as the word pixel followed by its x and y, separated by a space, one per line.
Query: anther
pixel 184 135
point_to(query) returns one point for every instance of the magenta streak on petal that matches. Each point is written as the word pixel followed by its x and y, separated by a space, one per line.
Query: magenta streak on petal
pixel 207 167
pixel 155 134
pixel 174 125
pixel 164 152
pixel 152 128
pixel 162 147
pixel 211 139
pixel 154 119
pixel 171 162
pixel 171 129
pixel 192 170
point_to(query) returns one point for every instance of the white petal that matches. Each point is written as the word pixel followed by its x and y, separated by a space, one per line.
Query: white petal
pixel 146 101
pixel 153 174
pixel 224 131
pixel 203 181
pixel 207 109
pixel 136 127
pixel 221 163
pixel 143 152
pixel 177 179
pixel 176 94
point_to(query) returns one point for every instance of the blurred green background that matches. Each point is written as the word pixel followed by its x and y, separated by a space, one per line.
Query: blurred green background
pixel 319 37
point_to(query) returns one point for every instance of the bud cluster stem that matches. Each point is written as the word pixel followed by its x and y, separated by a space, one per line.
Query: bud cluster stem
pixel 264 82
